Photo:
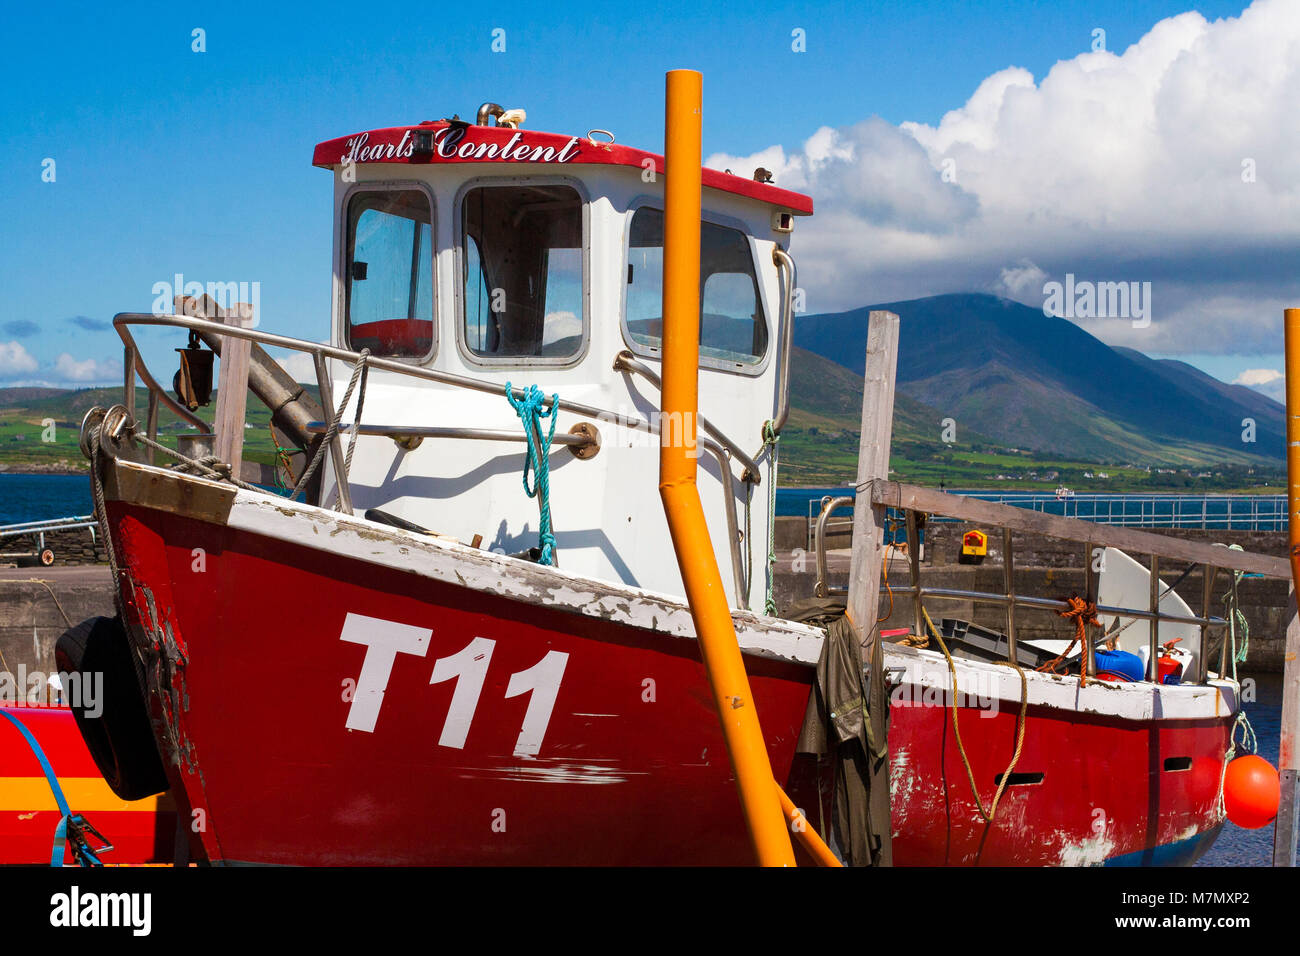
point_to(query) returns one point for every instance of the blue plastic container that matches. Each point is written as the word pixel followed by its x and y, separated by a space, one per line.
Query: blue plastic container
pixel 1126 665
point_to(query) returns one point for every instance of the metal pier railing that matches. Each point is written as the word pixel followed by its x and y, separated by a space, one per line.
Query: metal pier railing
pixel 35 531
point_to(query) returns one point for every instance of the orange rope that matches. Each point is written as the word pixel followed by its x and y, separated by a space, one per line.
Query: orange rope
pixel 888 589
pixel 1082 613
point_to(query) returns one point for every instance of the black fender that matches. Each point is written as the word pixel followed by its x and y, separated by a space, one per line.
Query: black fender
pixel 115 723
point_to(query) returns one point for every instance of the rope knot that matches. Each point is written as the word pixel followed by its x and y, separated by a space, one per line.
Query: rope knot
pixel 1083 613
pixel 531 409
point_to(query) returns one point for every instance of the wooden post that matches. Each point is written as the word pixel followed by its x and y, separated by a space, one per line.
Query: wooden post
pixel 128 383
pixel 869 550
pixel 232 383
pixel 873 462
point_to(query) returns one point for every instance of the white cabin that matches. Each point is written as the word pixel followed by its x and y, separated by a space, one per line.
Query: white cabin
pixel 508 255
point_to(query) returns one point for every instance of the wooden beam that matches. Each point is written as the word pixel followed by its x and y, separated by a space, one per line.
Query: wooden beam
pixel 897 495
pixel 873 465
pixel 233 389
pixel 869 552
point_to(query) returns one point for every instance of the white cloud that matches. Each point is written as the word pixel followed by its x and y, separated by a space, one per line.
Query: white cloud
pixel 1024 279
pixel 1257 376
pixel 1129 166
pixel 15 360
pixel 299 365
pixel 85 371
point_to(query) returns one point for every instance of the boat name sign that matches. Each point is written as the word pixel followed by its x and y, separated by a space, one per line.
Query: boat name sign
pixel 453 142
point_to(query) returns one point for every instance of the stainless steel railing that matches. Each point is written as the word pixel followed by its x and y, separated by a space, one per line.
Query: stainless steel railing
pixel 713 441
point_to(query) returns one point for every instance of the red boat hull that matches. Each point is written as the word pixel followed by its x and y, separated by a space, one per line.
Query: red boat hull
pixel 632 767
pixel 324 702
pixel 1087 789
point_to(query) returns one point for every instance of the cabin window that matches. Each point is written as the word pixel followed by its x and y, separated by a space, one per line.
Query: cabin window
pixel 732 328
pixel 522 272
pixel 390 273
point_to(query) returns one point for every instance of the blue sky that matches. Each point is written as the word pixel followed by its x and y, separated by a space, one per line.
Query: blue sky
pixel 168 160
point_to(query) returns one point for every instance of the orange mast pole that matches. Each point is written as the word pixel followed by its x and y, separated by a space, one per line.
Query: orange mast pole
pixel 1284 832
pixel 677 470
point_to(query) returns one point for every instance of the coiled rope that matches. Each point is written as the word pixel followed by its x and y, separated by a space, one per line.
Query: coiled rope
pixel 530 412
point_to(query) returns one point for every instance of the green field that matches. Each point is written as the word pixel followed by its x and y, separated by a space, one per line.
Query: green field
pixel 819 445
pixel 25 427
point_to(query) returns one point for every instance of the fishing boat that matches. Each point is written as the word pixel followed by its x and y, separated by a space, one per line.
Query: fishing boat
pixel 487 622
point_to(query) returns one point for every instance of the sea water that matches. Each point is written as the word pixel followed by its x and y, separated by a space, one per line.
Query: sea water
pixel 37 497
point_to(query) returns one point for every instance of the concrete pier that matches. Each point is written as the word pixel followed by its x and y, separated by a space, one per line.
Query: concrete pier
pixel 33 605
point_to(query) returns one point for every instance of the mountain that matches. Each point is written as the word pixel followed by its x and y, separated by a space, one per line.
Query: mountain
pixel 826 394
pixel 1180 372
pixel 10 397
pixel 1036 382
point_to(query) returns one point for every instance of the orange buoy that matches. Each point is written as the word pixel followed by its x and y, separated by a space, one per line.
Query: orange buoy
pixel 1251 792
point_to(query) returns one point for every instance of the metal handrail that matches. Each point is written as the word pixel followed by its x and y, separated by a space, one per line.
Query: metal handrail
pixel 786 263
pixel 47 524
pixel 625 361
pixel 1207 511
pixel 10 533
pixel 722 451
pixel 1053 604
pixel 442 431
pixel 820 540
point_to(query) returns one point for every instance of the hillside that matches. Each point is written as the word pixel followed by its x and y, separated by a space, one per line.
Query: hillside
pixel 23 410
pixel 1035 382
pixel 820 442
pixel 820 447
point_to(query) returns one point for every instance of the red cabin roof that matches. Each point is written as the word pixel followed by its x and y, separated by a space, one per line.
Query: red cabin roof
pixel 447 142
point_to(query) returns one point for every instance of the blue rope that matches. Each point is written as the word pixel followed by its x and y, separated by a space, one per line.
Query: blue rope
pixel 529 409
pixel 61 831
